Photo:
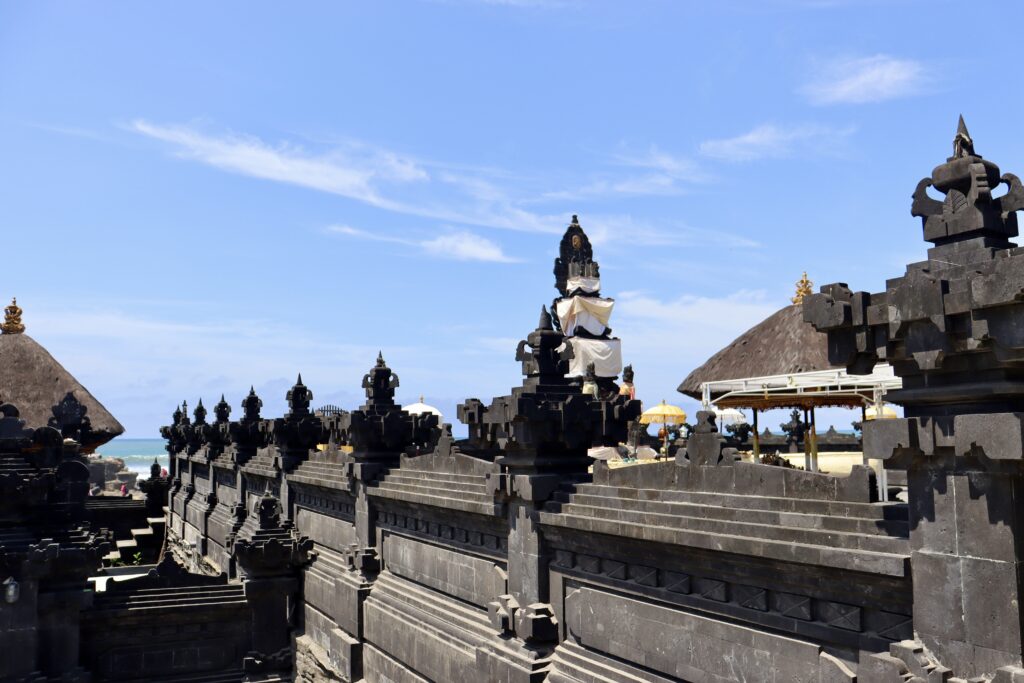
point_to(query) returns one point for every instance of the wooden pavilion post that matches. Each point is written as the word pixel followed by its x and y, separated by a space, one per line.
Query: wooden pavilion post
pixel 814 442
pixel 807 444
pixel 756 440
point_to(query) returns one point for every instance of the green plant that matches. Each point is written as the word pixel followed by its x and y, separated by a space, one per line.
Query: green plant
pixel 137 559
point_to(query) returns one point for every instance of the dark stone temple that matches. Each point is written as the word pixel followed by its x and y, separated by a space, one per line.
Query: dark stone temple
pixel 370 545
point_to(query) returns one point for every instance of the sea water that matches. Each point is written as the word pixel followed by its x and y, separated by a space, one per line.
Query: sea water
pixel 137 454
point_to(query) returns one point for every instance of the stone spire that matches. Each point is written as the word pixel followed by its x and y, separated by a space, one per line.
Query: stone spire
pixel 963 145
pixel 12 319
pixel 804 287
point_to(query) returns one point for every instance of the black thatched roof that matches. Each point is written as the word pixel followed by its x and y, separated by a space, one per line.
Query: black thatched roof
pixel 34 382
pixel 781 344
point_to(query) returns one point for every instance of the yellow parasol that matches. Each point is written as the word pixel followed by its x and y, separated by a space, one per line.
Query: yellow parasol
pixel 888 413
pixel 663 414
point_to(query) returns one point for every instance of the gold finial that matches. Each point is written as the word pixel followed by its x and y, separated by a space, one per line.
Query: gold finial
pixel 804 287
pixel 12 319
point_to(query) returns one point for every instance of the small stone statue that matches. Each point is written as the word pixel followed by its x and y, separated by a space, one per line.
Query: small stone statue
pixel 590 382
pixel 627 389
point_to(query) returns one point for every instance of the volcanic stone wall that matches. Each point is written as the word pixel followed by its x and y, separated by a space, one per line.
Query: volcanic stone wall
pixel 660 572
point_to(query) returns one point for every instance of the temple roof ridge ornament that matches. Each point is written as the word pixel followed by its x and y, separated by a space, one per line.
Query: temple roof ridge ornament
pixel 804 288
pixel 12 319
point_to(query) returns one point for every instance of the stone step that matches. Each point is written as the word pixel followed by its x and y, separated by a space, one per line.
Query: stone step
pixel 888 564
pixel 235 676
pixel 410 473
pixel 430 609
pixel 466 502
pixel 774 532
pixel 184 590
pixel 430 487
pixel 863 525
pixel 892 511
pixel 440 479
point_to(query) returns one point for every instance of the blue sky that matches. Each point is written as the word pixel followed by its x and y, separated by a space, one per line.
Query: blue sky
pixel 197 197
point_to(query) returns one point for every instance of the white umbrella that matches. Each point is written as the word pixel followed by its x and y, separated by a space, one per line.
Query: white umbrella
pixel 729 416
pixel 421 407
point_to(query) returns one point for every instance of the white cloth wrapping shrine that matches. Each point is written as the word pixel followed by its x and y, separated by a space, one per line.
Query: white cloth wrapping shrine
pixel 605 354
pixel 590 313
pixel 588 285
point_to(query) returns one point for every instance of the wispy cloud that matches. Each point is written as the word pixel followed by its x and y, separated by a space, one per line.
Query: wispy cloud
pixel 661 173
pixel 459 245
pixel 334 173
pixel 355 171
pixel 450 193
pixel 772 141
pixel 860 80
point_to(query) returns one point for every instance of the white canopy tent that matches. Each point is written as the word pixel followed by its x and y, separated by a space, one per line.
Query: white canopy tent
pixel 803 390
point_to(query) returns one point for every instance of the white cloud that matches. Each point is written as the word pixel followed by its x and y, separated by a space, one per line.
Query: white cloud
pixel 465 246
pixel 867 79
pixel 453 194
pixel 284 163
pixel 772 141
pixel 355 171
pixel 665 174
pixel 460 245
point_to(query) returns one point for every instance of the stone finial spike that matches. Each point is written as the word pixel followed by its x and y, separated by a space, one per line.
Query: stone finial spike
pixel 963 145
pixel 200 404
pixel 222 398
pixel 299 380
pixel 252 390
pixel 545 319
pixel 12 319
pixel 380 359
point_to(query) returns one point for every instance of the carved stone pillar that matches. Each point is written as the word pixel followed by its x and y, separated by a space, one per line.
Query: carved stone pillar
pixel 952 328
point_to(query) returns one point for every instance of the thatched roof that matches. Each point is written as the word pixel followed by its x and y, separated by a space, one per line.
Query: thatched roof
pixel 34 382
pixel 781 344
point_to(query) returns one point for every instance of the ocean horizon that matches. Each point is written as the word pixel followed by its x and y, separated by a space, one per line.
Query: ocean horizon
pixel 137 454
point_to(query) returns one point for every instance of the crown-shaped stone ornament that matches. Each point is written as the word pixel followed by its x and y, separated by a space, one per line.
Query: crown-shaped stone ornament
pixel 251 406
pixel 222 411
pixel 380 384
pixel 299 398
pixel 199 413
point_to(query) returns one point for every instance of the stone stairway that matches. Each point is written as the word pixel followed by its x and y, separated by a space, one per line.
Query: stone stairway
pixel 322 469
pixel 186 597
pixel 466 492
pixel 146 541
pixel 859 536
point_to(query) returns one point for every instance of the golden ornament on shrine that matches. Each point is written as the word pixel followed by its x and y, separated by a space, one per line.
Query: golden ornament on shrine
pixel 12 319
pixel 804 287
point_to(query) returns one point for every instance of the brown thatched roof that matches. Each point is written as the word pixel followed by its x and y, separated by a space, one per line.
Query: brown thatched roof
pixel 781 344
pixel 33 381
